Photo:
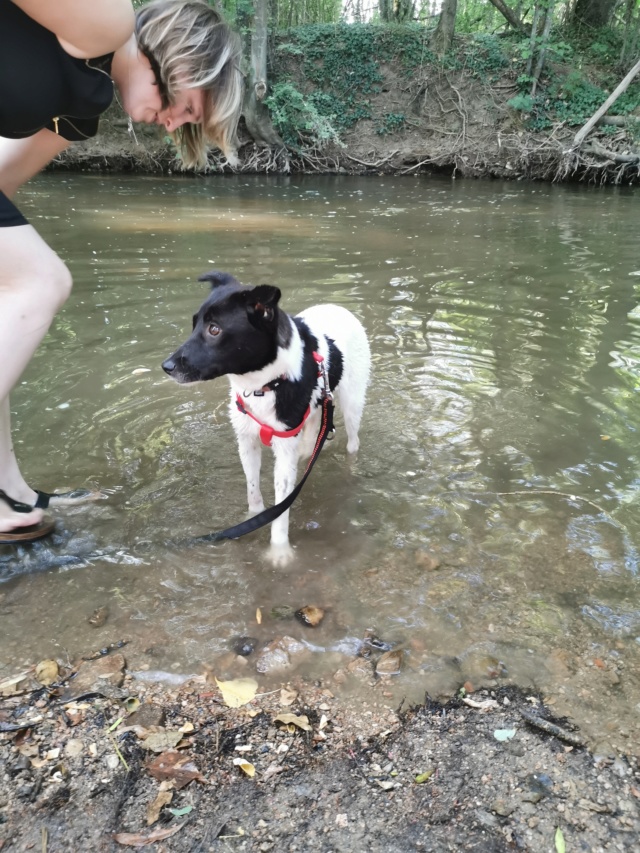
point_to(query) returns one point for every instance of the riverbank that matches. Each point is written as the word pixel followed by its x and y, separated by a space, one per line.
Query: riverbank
pixel 94 757
pixel 374 100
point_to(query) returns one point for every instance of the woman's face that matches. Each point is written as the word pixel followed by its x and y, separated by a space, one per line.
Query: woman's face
pixel 141 100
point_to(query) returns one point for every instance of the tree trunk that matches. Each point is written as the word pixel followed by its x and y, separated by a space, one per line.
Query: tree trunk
pixel 510 15
pixel 532 39
pixel 543 46
pixel 442 39
pixel 256 115
pixel 593 13
pixel 613 97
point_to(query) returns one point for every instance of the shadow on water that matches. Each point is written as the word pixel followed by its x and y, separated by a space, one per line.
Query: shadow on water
pixel 488 526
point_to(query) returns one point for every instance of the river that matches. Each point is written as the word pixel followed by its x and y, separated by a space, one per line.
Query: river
pixel 489 524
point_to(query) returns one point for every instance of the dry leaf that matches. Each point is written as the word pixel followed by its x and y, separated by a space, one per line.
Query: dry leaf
pixel 238 692
pixel 323 722
pixel 292 719
pixel 245 765
pixel 187 728
pixel 175 766
pixel 9 685
pixel 162 740
pixel 47 672
pixel 259 616
pixel 136 839
pixel 154 808
pixel 288 697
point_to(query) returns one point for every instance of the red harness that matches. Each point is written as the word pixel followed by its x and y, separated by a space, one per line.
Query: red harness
pixel 267 433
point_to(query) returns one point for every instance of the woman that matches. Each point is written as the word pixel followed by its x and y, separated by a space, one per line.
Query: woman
pixel 175 63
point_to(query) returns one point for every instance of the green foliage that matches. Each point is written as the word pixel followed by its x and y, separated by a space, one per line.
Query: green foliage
pixel 483 55
pixel 297 118
pixel 522 103
pixel 391 123
pixel 343 63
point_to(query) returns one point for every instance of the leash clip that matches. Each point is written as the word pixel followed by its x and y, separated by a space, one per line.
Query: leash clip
pixel 324 374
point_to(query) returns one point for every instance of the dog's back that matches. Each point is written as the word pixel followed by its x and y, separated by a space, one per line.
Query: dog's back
pixel 350 338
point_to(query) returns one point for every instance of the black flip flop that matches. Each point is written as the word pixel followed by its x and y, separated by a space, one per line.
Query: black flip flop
pixel 62 498
pixel 44 499
pixel 27 534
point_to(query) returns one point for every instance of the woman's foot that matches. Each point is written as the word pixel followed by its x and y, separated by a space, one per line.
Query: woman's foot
pixel 15 522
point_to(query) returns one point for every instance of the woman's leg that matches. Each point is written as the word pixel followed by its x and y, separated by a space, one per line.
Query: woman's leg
pixel 34 284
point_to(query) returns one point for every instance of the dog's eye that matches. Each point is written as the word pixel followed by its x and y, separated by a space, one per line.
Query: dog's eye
pixel 214 329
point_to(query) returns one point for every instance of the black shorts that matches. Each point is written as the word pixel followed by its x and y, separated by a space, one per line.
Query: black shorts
pixel 10 216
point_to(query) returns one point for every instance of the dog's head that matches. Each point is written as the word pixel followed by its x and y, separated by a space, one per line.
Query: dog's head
pixel 234 331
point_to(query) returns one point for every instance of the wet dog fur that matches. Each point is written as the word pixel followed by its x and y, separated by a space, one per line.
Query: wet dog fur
pixel 242 333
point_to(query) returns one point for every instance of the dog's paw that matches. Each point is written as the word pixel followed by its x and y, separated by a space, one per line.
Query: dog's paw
pixel 280 556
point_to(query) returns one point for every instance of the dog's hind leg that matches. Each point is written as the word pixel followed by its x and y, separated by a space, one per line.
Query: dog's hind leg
pixel 352 406
pixel 284 481
pixel 251 457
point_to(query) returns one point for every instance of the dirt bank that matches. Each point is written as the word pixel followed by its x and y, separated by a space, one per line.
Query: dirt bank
pixel 452 122
pixel 102 760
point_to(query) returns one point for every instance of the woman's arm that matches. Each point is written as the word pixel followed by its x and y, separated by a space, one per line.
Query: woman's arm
pixel 21 159
pixel 85 28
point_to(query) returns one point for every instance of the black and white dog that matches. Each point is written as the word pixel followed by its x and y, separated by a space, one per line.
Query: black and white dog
pixel 271 360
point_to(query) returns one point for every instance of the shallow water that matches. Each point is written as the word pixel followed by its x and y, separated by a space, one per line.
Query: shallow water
pixel 499 439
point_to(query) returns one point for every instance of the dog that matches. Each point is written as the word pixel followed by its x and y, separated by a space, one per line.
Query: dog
pixel 272 362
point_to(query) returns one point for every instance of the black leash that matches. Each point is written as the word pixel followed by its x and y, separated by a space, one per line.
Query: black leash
pixel 273 512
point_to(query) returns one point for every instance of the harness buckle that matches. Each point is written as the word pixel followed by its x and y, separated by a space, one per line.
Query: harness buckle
pixel 266 434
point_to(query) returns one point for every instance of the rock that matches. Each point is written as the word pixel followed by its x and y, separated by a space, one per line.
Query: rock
pixel 277 655
pixel 103 676
pixel 427 561
pixel 73 748
pixel 310 615
pixel 244 646
pixel 147 715
pixel 502 807
pixel 390 663
pixel 360 667
pixel 99 617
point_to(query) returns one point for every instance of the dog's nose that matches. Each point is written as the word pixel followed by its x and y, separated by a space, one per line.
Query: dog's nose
pixel 169 366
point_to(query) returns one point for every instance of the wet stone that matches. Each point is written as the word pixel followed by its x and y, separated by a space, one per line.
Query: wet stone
pixel 103 676
pixel 244 646
pixel 147 715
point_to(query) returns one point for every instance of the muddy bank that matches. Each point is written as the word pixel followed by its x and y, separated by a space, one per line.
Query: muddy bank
pixel 453 123
pixel 104 759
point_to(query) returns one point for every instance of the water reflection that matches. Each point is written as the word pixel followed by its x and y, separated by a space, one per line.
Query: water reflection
pixel 488 524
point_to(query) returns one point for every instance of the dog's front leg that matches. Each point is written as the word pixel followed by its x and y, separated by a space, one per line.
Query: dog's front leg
pixel 284 481
pixel 250 451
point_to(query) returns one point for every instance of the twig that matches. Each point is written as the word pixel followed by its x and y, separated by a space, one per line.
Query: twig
pixel 551 728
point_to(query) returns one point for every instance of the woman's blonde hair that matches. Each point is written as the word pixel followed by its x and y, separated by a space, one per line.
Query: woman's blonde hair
pixel 190 46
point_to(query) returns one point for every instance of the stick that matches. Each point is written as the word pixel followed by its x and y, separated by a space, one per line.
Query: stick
pixel 613 97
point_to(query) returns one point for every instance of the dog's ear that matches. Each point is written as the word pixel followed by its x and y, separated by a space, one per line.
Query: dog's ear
pixel 261 301
pixel 217 278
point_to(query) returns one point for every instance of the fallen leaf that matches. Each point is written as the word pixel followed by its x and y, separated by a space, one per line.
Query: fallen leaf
pixel 161 741
pixel 181 812
pixel 483 705
pixel 136 839
pixel 239 691
pixel 187 728
pixel 245 765
pixel 259 616
pixel 560 845
pixel 177 767
pixel 424 777
pixel 301 721
pixel 154 808
pixel 47 672
pixel 9 685
pixel 323 722
pixel 288 697
pixel 504 734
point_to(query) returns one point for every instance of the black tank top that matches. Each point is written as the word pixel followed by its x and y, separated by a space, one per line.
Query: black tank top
pixel 42 86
